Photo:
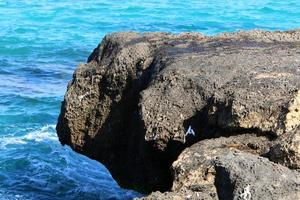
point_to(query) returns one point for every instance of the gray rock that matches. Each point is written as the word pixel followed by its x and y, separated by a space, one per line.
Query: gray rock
pixel 196 164
pixel 179 195
pixel 286 150
pixel 244 176
pixel 230 168
pixel 131 105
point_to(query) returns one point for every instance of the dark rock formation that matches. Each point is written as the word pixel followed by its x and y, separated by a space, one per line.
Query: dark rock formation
pixel 131 105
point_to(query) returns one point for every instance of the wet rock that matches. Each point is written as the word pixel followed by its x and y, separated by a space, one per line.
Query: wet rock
pixel 131 105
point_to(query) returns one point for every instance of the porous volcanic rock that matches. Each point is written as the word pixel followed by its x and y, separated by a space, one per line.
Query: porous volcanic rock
pixel 230 168
pixel 286 150
pixel 131 104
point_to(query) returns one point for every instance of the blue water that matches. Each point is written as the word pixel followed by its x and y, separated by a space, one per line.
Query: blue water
pixel 42 41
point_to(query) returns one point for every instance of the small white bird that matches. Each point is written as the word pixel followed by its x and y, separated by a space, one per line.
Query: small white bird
pixel 190 131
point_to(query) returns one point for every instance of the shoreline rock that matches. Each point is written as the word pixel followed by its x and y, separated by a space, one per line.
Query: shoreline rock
pixel 131 104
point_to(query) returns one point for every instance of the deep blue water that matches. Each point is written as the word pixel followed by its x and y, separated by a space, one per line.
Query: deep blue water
pixel 42 41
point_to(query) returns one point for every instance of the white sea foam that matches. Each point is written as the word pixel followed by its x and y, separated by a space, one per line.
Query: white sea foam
pixel 45 133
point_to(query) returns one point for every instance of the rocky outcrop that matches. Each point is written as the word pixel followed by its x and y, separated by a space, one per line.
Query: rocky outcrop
pixel 231 168
pixel 141 99
pixel 234 174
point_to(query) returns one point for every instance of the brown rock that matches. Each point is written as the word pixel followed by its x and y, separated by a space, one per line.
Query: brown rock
pixel 131 105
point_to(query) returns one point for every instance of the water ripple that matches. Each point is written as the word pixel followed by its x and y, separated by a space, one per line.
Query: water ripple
pixel 42 41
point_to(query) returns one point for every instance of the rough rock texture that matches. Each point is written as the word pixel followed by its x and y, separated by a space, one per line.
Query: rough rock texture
pixel 195 163
pixel 238 175
pixel 287 150
pixel 224 168
pixel 131 105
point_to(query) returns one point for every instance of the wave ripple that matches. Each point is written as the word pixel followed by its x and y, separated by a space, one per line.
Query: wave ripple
pixel 40 44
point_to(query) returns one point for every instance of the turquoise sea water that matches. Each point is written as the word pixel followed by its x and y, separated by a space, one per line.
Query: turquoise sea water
pixel 42 41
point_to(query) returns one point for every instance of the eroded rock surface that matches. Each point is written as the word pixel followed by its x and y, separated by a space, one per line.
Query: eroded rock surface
pixel 131 105
pixel 196 163
pixel 286 150
pixel 239 175
pixel 231 168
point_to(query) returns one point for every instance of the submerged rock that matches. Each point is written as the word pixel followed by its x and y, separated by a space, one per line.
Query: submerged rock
pixel 134 105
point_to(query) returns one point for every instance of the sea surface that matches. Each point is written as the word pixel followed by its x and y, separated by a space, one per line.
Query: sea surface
pixel 42 41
